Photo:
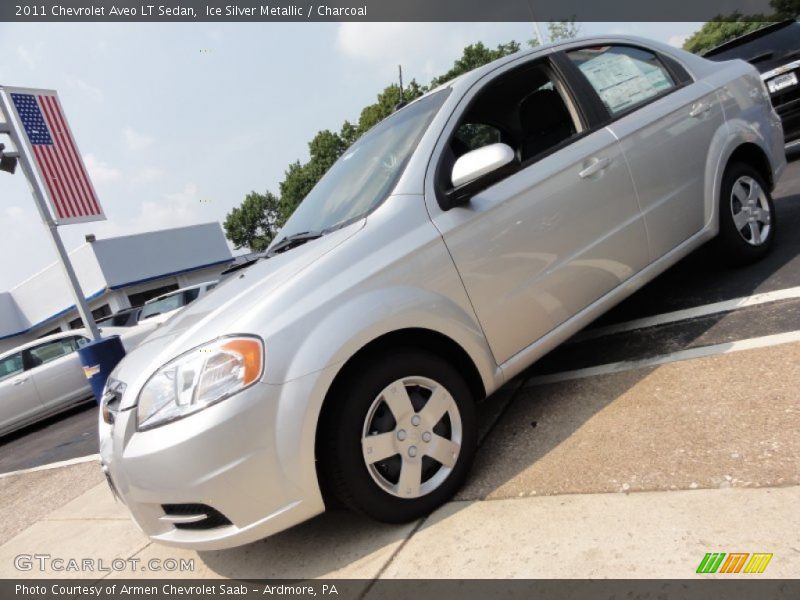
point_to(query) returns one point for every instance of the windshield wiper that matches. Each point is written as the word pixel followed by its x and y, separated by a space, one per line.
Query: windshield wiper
pixel 292 241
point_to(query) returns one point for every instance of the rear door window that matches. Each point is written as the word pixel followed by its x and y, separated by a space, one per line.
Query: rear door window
pixel 10 366
pixel 44 353
pixel 623 76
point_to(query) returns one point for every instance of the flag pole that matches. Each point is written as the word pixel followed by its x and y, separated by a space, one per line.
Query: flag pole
pixel 13 131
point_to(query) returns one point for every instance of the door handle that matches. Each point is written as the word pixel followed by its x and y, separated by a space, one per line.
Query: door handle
pixel 699 108
pixel 595 165
pixel 20 381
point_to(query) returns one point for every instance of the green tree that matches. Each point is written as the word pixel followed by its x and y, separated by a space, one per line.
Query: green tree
pixel 714 33
pixel 474 56
pixel 562 30
pixel 785 9
pixel 254 223
pixel 723 29
pixel 559 30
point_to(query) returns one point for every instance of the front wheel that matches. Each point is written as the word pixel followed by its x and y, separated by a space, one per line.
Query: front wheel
pixel 401 436
pixel 747 216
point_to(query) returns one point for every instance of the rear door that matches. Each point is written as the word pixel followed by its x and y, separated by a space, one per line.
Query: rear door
pixel 665 123
pixel 19 400
pixel 57 372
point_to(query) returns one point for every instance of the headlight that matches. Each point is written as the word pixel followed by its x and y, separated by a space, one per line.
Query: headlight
pixel 198 379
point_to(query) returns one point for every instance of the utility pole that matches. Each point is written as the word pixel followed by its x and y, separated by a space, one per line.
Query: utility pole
pixel 12 128
pixel 538 33
pixel 402 102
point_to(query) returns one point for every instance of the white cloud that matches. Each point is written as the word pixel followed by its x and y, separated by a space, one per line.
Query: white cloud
pixel 136 140
pixel 99 171
pixel 13 212
pixel 677 40
pixel 25 54
pixel 146 175
pixel 93 92
pixel 422 48
pixel 176 209
pixel 171 210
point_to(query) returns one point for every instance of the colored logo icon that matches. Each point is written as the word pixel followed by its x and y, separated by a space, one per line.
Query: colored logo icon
pixel 735 562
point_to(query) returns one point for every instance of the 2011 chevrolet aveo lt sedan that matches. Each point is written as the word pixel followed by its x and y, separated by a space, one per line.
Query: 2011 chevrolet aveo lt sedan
pixel 459 240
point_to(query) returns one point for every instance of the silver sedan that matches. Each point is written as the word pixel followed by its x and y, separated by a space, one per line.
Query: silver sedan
pixel 40 379
pixel 462 238
pixel 45 377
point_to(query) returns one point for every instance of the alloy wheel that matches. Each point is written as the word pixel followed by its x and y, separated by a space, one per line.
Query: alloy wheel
pixel 750 211
pixel 412 437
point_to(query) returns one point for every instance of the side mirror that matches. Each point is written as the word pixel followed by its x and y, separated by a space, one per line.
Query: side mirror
pixel 479 168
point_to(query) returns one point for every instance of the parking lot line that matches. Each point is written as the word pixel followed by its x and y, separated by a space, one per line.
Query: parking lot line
pixel 55 465
pixel 701 352
pixel 689 313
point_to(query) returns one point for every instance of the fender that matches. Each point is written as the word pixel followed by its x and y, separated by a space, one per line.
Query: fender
pixel 422 309
pixel 749 119
pixel 297 423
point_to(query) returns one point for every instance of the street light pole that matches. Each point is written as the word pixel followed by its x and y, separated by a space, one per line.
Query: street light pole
pixel 11 128
pixel 538 33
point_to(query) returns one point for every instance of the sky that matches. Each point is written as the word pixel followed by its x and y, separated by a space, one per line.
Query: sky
pixel 177 122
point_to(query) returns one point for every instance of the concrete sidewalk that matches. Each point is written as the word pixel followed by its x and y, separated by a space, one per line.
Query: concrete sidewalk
pixel 640 535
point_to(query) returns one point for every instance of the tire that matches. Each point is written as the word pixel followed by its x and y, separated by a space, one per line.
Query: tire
pixel 364 406
pixel 743 204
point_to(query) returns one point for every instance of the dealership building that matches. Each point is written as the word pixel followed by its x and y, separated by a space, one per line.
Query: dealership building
pixel 114 273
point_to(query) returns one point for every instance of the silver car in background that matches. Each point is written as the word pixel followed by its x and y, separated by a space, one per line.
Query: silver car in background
pixel 45 377
pixel 449 248
pixel 41 378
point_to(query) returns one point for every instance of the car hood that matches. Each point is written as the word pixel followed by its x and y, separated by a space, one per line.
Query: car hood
pixel 232 307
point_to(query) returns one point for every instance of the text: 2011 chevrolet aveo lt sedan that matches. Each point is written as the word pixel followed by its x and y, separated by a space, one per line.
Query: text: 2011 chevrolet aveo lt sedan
pixel 450 247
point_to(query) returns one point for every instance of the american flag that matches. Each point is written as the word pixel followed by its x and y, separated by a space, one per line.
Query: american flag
pixel 56 156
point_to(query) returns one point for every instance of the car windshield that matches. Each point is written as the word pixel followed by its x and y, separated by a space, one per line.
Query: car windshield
pixel 118 320
pixel 365 174
pixel 170 303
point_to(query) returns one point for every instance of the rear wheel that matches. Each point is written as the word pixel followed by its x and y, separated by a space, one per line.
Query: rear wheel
pixel 747 216
pixel 400 436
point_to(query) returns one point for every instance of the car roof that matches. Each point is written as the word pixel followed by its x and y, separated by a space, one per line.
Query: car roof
pixel 466 80
pixel 44 340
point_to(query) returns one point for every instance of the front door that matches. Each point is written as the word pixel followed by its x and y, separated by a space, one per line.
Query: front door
pixel 547 241
pixel 57 372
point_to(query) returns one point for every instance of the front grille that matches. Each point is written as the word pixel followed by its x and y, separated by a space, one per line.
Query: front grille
pixel 213 518
pixel 787 105
pixel 111 400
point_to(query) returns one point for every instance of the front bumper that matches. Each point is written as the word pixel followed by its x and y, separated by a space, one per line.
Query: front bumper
pixel 236 472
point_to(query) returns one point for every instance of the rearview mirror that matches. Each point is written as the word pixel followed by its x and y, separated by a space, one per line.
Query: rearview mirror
pixel 480 162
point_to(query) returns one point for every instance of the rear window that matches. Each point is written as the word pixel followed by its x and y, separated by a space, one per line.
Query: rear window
pixel 10 365
pixel 44 353
pixel 623 76
pixel 170 303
